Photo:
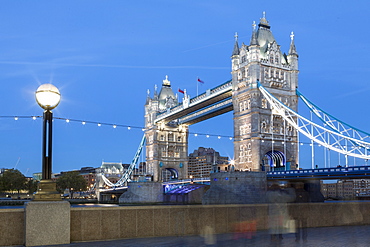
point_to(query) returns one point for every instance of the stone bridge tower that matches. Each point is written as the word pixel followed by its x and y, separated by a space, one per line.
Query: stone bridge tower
pixel 263 140
pixel 166 143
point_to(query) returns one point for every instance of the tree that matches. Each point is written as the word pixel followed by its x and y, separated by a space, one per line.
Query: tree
pixel 12 180
pixel 72 181
pixel 31 186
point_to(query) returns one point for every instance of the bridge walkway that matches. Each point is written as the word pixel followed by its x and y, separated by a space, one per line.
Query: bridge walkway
pixel 344 236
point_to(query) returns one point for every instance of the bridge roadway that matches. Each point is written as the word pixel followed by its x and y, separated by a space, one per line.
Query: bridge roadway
pixel 352 172
pixel 213 102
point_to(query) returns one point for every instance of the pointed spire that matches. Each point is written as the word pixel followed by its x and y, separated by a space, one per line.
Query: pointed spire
pixel 254 40
pixel 148 97
pixel 155 93
pixel 166 82
pixel 263 22
pixel 236 45
pixel 292 49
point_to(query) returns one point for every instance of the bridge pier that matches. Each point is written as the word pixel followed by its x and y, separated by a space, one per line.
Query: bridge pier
pixel 142 192
pixel 236 188
pixel 313 187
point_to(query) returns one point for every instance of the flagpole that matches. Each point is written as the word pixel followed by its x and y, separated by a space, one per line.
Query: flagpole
pixel 197 85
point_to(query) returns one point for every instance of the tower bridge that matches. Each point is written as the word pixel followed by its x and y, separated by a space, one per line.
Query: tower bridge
pixel 256 127
pixel 263 95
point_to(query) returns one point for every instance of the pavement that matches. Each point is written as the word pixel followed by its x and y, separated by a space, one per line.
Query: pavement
pixel 344 236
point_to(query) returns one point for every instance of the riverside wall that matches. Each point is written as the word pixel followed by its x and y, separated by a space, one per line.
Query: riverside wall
pixel 100 223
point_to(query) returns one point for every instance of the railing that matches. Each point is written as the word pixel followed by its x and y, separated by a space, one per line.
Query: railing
pixel 337 171
pixel 188 180
pixel 225 86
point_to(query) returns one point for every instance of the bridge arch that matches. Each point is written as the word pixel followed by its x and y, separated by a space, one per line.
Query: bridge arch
pixel 169 174
pixel 274 159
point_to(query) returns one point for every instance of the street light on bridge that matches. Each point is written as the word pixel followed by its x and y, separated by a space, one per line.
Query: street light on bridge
pixel 48 97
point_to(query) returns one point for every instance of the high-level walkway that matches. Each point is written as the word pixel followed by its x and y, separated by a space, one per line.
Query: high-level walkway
pixel 344 236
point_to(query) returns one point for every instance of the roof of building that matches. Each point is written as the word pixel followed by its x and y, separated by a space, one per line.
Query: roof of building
pixel 166 96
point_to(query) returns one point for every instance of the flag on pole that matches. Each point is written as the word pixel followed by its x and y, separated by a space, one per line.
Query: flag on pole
pixel 181 91
pixel 200 81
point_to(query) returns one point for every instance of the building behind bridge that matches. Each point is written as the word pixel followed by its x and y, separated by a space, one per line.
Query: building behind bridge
pixel 203 161
pixel 348 189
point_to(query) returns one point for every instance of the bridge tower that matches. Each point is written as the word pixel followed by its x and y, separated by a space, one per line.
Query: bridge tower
pixel 263 140
pixel 166 143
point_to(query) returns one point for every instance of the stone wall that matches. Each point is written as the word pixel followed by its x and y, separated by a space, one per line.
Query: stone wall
pixel 97 223
pixel 11 227
pixel 88 224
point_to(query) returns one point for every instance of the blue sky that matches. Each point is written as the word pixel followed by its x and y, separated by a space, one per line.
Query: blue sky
pixel 104 55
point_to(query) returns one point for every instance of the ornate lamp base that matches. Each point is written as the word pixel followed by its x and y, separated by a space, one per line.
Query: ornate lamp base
pixel 47 191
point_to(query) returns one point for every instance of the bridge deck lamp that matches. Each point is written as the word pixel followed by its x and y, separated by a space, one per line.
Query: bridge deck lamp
pixel 48 97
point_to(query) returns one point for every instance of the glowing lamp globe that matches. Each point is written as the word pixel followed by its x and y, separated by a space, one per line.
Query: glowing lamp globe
pixel 47 96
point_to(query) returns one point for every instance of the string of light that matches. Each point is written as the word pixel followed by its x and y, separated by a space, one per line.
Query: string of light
pixel 129 127
pixel 99 124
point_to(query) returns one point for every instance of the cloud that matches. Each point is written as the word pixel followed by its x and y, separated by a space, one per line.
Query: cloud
pixel 113 65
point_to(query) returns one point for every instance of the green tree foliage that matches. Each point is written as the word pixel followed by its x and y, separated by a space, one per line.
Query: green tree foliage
pixel 12 180
pixel 31 186
pixel 72 181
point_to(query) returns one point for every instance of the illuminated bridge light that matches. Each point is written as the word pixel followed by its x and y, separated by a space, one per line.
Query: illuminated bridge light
pixel 114 126
pixel 16 118
pixel 195 134
pixel 219 137
pixel 67 120
pixel 207 136
pixel 99 124
pixel 34 118
pixel 230 138
pixel 128 127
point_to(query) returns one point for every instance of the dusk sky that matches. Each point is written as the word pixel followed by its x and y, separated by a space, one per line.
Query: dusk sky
pixel 104 56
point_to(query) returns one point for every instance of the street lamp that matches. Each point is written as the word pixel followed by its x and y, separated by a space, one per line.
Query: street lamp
pixel 48 97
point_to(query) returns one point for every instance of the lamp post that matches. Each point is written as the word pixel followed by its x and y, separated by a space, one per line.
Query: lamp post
pixel 48 97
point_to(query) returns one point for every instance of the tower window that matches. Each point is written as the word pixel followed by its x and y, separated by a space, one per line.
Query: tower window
pixel 264 103
pixel 170 137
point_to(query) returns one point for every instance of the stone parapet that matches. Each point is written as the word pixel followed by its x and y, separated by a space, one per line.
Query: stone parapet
pixel 106 223
pixel 47 223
